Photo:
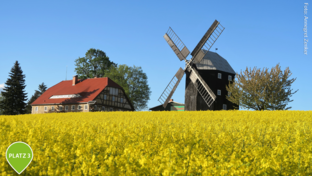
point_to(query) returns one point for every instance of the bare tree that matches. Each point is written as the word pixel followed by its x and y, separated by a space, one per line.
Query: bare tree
pixel 262 90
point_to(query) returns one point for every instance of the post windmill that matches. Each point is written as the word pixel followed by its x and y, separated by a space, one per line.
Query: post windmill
pixel 198 94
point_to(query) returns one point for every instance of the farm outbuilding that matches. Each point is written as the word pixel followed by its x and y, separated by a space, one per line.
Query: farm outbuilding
pixel 172 106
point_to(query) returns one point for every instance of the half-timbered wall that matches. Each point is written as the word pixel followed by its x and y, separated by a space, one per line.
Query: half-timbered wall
pixel 112 99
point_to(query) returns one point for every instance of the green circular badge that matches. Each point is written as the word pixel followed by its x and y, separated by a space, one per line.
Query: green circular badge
pixel 19 155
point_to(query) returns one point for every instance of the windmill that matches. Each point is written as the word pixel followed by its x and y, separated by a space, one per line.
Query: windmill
pixel 198 83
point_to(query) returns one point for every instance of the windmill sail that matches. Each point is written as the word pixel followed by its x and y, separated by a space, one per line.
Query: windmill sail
pixel 173 84
pixel 198 54
pixel 207 41
pixel 203 89
pixel 176 44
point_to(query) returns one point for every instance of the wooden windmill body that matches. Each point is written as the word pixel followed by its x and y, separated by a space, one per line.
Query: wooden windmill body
pixel 203 83
pixel 212 66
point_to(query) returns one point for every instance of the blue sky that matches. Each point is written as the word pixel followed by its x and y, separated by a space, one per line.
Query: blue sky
pixel 46 36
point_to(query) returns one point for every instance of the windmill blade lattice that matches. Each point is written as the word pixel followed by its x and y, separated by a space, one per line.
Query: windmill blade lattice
pixel 176 44
pixel 173 84
pixel 198 54
pixel 207 41
pixel 203 89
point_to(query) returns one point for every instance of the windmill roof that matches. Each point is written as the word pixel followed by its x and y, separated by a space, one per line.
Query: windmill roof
pixel 86 89
pixel 213 61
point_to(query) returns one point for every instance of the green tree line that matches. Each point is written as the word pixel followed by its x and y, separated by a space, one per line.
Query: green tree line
pixel 95 63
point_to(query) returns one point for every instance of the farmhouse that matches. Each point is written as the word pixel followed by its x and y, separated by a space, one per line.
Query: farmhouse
pixel 83 95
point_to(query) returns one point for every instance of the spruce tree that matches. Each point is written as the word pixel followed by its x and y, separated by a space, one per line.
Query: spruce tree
pixel 30 101
pixel 42 88
pixel 14 95
pixel 37 94
pixel 1 98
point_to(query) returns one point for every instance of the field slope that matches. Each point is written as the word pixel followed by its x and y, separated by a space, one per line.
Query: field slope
pixel 162 143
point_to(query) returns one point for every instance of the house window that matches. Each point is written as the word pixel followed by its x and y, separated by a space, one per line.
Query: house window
pixel 113 98
pixel 224 106
pixel 219 92
pixel 36 109
pixel 219 75
pixel 105 97
pixel 61 108
pixel 113 91
pixel 103 108
pixel 95 107
pixel 73 107
pixel 230 78
pixel 45 108
pixel 52 108
pixel 86 107
pixel 121 99
pixel 110 109
pixel 229 93
pixel 79 107
pixel 66 108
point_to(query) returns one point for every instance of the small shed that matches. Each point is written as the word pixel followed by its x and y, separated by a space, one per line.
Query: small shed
pixel 172 106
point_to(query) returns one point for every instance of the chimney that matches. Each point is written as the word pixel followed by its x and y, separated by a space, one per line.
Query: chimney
pixel 75 80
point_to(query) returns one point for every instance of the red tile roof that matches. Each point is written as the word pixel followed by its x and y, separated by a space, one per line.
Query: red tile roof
pixel 89 89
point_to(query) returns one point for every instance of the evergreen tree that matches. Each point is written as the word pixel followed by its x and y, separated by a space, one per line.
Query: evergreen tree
pixel 1 98
pixel 37 94
pixel 42 88
pixel 14 95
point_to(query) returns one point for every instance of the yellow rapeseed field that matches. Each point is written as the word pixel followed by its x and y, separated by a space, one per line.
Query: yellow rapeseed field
pixel 163 143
